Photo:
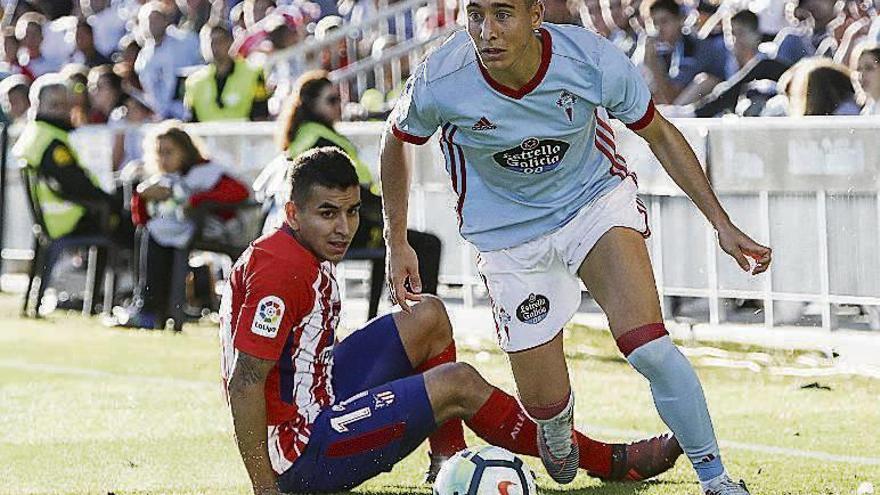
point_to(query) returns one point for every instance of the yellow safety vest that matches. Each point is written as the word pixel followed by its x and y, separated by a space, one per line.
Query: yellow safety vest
pixel 238 96
pixel 59 215
pixel 307 137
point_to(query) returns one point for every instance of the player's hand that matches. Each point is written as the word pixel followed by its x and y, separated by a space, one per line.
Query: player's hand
pixel 741 247
pixel 267 491
pixel 155 192
pixel 403 275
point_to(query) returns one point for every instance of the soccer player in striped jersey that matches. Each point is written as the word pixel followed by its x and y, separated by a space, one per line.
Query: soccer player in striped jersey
pixel 315 414
pixel 546 198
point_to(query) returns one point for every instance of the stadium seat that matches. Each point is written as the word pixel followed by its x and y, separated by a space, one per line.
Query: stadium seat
pixel 47 252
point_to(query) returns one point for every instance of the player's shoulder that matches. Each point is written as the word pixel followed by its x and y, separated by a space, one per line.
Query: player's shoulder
pixel 577 43
pixel 277 255
pixel 454 54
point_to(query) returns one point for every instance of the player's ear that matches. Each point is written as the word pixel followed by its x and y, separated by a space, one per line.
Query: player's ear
pixel 290 215
pixel 536 9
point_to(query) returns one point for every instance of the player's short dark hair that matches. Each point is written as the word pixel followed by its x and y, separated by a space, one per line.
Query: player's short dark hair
pixel 671 6
pixel 328 166
pixel 746 18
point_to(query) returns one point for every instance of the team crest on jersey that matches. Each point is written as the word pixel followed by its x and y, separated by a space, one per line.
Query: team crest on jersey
pixel 267 319
pixel 383 399
pixel 533 156
pixel 534 309
pixel 566 102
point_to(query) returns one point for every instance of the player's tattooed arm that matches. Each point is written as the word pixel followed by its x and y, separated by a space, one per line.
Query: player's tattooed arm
pixel 248 403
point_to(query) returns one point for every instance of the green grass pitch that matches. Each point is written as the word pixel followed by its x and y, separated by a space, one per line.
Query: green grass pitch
pixel 85 409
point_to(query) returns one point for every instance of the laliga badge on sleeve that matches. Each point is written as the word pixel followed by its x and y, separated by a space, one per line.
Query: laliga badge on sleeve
pixel 267 318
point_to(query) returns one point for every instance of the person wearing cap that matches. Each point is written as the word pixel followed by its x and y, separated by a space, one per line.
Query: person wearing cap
pixel 227 88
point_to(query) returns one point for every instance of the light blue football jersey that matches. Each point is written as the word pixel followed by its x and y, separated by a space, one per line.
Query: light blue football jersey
pixel 524 162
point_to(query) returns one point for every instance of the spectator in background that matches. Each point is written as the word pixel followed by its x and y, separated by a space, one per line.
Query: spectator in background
pixel 14 99
pixel 106 94
pixel 29 32
pixel 333 57
pixel 681 68
pixel 744 39
pixel 256 10
pixel 236 19
pixel 558 12
pixel 868 69
pixel 227 88
pixel 620 16
pixel 10 47
pixel 77 77
pixel 822 87
pixel 128 147
pixel 126 58
pixel 197 13
pixel 108 26
pixel 86 53
pixel 813 18
pixel 166 51
pixel 182 178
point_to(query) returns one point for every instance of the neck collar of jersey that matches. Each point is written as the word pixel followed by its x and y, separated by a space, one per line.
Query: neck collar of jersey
pixel 546 52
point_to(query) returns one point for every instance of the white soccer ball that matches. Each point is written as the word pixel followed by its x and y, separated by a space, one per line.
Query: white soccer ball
pixel 485 471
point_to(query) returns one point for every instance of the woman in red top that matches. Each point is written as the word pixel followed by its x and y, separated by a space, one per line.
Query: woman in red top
pixel 183 178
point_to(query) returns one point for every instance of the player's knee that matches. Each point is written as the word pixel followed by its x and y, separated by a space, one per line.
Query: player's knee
pixel 431 313
pixel 652 358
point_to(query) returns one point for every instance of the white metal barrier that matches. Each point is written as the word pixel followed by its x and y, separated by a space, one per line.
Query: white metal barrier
pixel 808 187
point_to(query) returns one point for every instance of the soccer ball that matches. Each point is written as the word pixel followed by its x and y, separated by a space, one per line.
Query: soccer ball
pixel 485 471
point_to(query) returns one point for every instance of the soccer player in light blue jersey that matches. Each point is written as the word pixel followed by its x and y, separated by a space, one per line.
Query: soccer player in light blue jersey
pixel 543 194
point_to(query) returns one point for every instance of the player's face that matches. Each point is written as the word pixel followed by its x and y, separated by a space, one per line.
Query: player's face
pixel 327 221
pixel 502 30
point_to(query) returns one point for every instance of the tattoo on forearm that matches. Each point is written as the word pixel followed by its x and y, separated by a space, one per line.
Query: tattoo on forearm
pixel 249 370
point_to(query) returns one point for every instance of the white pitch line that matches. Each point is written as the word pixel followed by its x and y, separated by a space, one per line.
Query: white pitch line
pixel 754 447
pixel 204 384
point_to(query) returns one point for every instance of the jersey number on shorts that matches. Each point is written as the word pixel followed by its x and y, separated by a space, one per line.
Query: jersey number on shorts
pixel 340 423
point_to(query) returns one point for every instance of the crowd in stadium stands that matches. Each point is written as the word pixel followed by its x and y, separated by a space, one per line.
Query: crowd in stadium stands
pixel 701 57
pixel 132 62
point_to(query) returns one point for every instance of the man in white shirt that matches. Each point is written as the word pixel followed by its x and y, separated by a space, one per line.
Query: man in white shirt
pixel 167 50
pixel 107 24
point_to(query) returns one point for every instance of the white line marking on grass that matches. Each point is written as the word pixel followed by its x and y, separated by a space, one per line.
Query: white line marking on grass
pixel 753 447
pixel 202 384
pixel 93 373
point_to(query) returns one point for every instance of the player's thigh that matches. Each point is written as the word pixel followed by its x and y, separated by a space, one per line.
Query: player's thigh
pixel 618 274
pixel 369 357
pixel 362 436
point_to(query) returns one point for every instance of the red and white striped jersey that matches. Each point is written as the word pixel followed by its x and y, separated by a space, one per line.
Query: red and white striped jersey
pixel 282 304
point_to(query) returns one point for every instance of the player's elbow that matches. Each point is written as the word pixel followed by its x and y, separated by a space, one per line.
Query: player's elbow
pixel 659 132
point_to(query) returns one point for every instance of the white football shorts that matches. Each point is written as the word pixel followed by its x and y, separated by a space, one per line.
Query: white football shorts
pixel 534 288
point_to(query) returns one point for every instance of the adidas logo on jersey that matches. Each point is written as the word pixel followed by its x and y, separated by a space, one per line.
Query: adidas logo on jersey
pixel 484 125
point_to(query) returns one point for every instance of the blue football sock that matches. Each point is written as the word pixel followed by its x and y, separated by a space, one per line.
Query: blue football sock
pixel 679 399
